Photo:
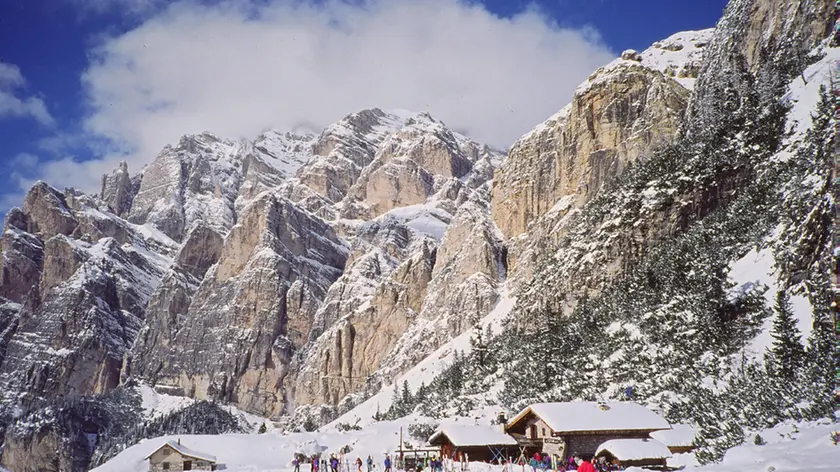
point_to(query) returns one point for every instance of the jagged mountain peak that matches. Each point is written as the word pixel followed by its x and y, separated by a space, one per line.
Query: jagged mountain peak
pixel 679 57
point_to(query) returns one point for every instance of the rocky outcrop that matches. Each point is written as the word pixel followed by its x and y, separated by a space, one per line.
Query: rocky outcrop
pixel 195 180
pixel 61 260
pixel 74 298
pixel 73 342
pixel 23 258
pixel 270 160
pixel 118 189
pixel 344 149
pixel 770 22
pixel 46 212
pixel 201 249
pixel 622 112
pixel 752 34
pixel 253 309
pixel 38 452
pixel 345 358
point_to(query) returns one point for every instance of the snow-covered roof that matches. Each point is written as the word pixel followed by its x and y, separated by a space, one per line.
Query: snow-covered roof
pixel 185 451
pixel 593 416
pixel 473 435
pixel 635 449
pixel 680 435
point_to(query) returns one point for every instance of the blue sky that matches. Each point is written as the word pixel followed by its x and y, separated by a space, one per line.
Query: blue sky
pixel 85 83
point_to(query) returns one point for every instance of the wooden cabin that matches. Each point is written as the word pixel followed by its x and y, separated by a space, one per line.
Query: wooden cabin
pixel 570 428
pixel 474 443
pixel 679 439
pixel 172 456
pixel 634 452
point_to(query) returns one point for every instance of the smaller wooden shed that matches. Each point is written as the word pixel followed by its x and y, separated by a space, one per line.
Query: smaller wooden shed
pixel 478 443
pixel 679 439
pixel 634 452
pixel 175 457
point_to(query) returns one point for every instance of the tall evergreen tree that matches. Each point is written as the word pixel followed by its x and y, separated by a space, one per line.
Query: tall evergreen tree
pixel 407 399
pixel 787 350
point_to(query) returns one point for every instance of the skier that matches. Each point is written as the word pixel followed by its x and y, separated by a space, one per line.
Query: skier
pixel 296 463
pixel 333 463
pixel 387 463
pixel 585 465
pixel 534 463
pixel 359 464
pixel 314 464
pixel 369 464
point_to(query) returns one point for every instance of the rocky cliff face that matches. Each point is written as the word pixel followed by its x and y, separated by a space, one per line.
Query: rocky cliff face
pixel 617 117
pixel 271 273
pixel 86 299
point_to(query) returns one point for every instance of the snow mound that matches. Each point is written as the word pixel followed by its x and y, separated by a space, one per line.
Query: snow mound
pixel 789 448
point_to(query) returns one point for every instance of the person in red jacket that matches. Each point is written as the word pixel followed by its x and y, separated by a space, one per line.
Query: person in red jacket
pixel 585 464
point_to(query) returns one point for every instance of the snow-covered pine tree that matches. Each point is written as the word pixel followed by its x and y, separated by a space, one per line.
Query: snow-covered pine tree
pixel 788 352
pixel 406 399
pixel 821 365
pixel 478 343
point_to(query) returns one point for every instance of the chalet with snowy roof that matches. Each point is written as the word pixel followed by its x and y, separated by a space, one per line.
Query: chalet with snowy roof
pixel 474 443
pixel 679 439
pixel 573 428
pixel 634 452
pixel 173 456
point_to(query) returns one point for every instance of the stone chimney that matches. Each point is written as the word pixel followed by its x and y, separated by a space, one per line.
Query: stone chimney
pixel 502 419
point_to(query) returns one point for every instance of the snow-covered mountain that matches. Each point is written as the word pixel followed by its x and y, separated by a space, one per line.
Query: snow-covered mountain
pixel 289 271
pixel 646 235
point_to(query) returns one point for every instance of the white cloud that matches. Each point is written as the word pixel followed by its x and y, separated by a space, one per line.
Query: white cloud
pixel 12 104
pixel 243 66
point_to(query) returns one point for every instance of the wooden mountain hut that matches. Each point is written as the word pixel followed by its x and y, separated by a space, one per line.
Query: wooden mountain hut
pixel 474 442
pixel 570 428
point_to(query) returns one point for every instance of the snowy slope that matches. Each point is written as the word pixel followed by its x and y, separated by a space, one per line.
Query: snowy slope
pixel 244 452
pixel 789 448
pixel 757 269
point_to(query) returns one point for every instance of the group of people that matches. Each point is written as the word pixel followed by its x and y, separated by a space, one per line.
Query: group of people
pixel 538 463
pixel 319 464
pixel 434 464
pixel 579 463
